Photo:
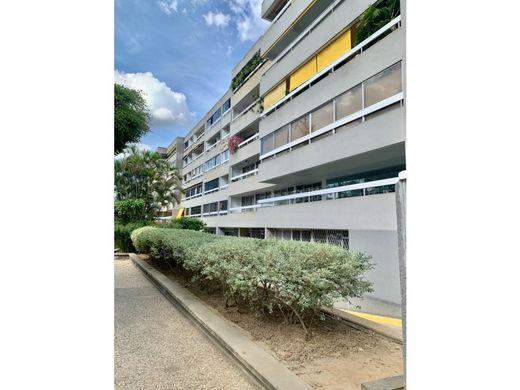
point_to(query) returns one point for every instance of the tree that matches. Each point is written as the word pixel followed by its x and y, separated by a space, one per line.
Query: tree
pixel 375 17
pixel 146 175
pixel 131 117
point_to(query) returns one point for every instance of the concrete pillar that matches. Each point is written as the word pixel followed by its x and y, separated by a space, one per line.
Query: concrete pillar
pixel 219 231
pixel 269 234
pixel 400 196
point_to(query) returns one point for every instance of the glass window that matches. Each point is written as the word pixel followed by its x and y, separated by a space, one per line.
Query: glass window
pixel 300 128
pixel 223 205
pixel 225 155
pixel 267 144
pixel 349 102
pixel 383 85
pixel 322 117
pixel 195 210
pixel 281 137
pixel 211 185
pixel 226 105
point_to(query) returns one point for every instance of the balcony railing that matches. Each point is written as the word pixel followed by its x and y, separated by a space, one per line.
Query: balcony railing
pixel 244 175
pixel 215 213
pixel 244 209
pixel 330 193
pixel 246 110
pixel 343 121
pixel 248 141
pixel 318 76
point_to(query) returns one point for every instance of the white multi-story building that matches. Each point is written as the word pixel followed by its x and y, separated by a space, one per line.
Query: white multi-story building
pixel 319 123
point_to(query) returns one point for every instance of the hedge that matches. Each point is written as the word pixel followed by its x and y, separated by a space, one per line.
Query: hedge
pixel 296 278
pixel 122 233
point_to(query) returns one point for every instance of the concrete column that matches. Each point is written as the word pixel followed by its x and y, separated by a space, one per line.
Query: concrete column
pixel 219 231
pixel 269 234
pixel 400 196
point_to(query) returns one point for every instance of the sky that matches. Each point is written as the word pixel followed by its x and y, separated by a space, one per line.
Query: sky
pixel 180 53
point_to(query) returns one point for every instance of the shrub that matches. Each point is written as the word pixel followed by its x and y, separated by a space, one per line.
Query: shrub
pixel 297 278
pixel 186 223
pixel 122 233
pixel 129 210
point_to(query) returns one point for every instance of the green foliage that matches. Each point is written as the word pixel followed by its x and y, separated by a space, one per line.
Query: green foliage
pixel 186 223
pixel 296 278
pixel 129 210
pixel 122 235
pixel 246 70
pixel 131 117
pixel 146 175
pixel 375 17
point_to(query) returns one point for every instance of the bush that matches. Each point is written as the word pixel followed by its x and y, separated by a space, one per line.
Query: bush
pixel 297 278
pixel 122 235
pixel 129 210
pixel 186 223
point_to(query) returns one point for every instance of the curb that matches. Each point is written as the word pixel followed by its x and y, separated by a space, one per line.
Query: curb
pixel 394 334
pixel 260 365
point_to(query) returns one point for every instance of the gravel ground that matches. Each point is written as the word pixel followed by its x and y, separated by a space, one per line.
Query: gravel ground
pixel 156 347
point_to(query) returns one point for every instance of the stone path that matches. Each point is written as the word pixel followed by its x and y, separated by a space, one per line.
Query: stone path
pixel 156 347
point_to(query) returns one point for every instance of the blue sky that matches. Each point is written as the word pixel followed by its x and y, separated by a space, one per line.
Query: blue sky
pixel 180 53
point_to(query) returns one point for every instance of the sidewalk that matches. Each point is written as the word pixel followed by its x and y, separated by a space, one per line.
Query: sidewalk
pixel 156 347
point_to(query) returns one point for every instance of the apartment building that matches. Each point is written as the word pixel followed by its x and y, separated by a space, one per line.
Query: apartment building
pixel 309 140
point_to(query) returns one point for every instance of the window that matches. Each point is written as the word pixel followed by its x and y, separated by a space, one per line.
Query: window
pixel 300 128
pixel 211 185
pixel 349 102
pixel 322 117
pixel 213 162
pixel 281 137
pixel 223 205
pixel 267 144
pixel 195 210
pixel 249 168
pixel 225 155
pixel 248 200
pixel 226 106
pixel 383 85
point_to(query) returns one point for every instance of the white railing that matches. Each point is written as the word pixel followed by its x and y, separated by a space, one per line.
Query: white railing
pixel 245 110
pixel 244 209
pixel 343 121
pixel 211 191
pixel 214 123
pixel 224 187
pixel 215 213
pixel 195 215
pixel 212 146
pixel 245 175
pixel 281 12
pixel 248 140
pixel 351 52
pixel 330 191
pixel 193 196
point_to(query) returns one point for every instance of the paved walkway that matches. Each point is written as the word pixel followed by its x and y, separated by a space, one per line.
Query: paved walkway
pixel 156 347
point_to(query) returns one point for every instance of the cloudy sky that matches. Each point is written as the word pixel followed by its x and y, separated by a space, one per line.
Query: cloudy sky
pixel 180 53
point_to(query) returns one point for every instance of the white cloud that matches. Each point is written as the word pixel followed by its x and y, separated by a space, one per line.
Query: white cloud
pixel 216 18
pixel 168 6
pixel 166 107
pixel 140 147
pixel 249 22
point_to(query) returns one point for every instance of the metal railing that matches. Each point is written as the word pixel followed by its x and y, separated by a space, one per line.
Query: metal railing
pixel 358 48
pixel 343 121
pixel 245 110
pixel 244 209
pixel 244 175
pixel 330 191
pixel 248 140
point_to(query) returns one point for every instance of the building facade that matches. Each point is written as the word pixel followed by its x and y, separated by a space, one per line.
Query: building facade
pixel 309 140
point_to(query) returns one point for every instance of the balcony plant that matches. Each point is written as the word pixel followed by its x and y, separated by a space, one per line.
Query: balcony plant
pixel 375 17
pixel 251 65
pixel 233 143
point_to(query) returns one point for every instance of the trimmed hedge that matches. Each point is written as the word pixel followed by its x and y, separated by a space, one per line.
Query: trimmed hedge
pixel 122 233
pixel 296 278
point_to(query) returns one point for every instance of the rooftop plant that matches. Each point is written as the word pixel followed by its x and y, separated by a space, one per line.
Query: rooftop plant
pixel 246 70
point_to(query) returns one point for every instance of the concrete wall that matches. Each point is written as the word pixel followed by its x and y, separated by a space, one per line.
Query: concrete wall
pixel 382 246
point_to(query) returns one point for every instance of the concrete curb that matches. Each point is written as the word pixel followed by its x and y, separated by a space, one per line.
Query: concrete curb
pixel 390 383
pixel 394 334
pixel 261 366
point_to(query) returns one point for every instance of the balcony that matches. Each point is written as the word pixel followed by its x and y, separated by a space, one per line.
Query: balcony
pixel 379 140
pixel 250 86
pixel 247 117
pixel 247 149
pixel 318 90
pixel 337 16
pixel 271 8
pixel 246 183
pixel 296 18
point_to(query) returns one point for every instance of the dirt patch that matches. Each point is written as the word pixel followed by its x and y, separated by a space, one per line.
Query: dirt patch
pixel 336 357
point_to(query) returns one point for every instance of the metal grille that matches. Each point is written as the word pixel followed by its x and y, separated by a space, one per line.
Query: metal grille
pixel 333 237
